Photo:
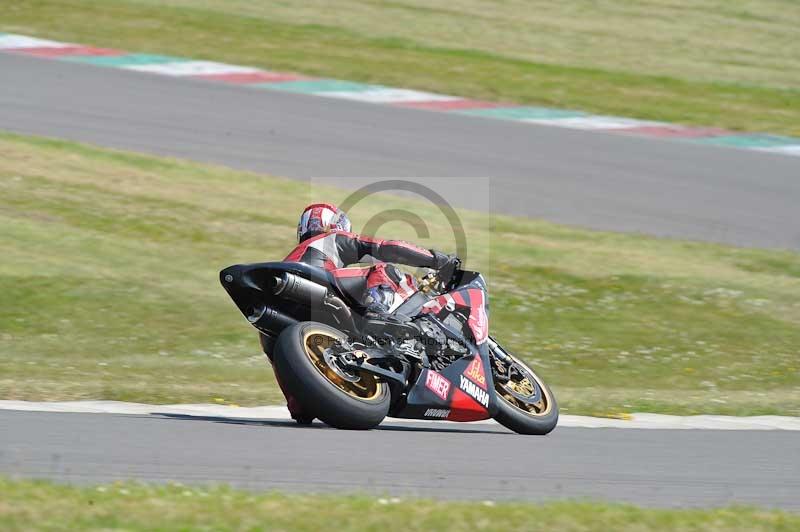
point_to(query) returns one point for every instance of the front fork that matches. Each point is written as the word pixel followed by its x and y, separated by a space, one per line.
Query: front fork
pixel 500 358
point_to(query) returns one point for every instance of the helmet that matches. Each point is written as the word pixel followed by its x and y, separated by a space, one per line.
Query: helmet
pixel 320 218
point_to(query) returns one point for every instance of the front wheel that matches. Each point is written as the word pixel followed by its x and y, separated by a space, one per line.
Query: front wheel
pixel 525 403
pixel 305 360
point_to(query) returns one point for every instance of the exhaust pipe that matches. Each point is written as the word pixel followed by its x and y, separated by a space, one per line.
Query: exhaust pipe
pixel 270 320
pixel 300 290
pixel 315 296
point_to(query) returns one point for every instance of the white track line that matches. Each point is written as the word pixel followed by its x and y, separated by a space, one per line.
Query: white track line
pixel 792 149
pixel 595 122
pixel 192 68
pixel 388 95
pixel 636 421
pixel 16 42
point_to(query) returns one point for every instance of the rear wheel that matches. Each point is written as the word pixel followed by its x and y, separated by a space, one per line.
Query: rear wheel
pixel 525 403
pixel 306 362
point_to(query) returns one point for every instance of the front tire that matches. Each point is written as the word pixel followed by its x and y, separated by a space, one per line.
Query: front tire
pixel 538 416
pixel 340 399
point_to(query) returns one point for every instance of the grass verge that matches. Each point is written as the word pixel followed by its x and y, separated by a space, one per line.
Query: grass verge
pixel 35 505
pixel 109 290
pixel 733 66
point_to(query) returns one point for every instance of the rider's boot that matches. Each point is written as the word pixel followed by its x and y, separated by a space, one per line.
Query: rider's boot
pixel 295 410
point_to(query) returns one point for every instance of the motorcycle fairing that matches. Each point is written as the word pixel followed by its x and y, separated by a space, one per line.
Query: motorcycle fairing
pixel 470 298
pixel 470 295
pixel 469 396
pixel 248 284
pixel 470 389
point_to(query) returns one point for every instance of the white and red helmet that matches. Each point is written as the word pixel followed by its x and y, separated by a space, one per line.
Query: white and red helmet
pixel 321 218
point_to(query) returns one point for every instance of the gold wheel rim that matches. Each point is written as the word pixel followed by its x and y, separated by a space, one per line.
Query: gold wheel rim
pixel 524 387
pixel 366 388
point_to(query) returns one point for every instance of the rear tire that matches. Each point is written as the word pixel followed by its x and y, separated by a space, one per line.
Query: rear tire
pixel 267 344
pixel 297 358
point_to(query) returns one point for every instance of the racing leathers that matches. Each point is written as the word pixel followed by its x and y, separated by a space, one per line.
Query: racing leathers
pixel 385 283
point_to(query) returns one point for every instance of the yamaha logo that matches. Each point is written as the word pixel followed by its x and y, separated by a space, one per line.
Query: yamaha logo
pixel 474 391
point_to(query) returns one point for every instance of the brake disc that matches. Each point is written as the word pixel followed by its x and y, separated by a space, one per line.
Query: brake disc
pixel 511 388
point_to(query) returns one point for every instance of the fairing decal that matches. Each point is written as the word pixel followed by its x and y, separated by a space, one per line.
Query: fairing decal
pixel 478 319
pixel 464 388
pixel 475 372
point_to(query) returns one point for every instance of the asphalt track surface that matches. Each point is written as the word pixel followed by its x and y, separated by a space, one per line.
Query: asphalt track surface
pixel 592 179
pixel 687 468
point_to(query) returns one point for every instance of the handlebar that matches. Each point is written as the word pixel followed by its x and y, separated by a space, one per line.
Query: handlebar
pixel 443 280
pixel 447 276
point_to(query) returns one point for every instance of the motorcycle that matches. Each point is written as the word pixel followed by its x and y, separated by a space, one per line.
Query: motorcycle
pixel 431 357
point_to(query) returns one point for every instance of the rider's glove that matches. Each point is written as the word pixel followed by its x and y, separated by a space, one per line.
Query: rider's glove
pixel 442 260
pixel 446 265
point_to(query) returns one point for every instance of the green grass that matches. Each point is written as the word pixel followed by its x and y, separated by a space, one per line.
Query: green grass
pixel 31 505
pixel 109 290
pixel 716 62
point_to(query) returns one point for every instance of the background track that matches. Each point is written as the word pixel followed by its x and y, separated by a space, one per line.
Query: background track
pixel 592 179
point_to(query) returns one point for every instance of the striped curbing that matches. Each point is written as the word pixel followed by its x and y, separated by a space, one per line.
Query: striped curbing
pixel 751 141
pixel 126 61
pixel 76 51
pixel 320 87
pixel 256 78
pixel 524 113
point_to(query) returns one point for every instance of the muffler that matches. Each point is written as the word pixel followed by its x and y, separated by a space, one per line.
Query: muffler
pixel 295 288
pixel 270 320
pixel 315 297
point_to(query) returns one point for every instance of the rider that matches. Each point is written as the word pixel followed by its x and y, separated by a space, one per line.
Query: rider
pixel 324 240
